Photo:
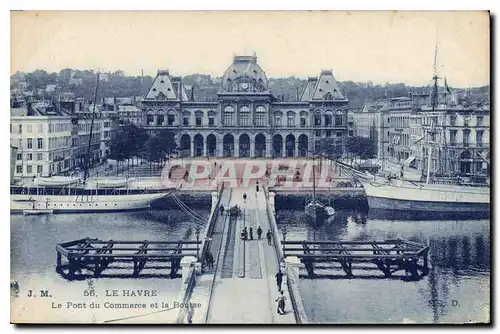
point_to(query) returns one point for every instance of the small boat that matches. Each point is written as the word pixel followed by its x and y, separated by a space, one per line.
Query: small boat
pixel 316 212
pixel 111 183
pixel 55 181
pixel 30 212
pixel 330 211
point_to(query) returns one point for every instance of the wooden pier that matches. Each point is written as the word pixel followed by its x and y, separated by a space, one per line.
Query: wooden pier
pixel 388 256
pixel 93 255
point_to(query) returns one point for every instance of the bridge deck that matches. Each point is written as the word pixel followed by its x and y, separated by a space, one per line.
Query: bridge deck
pixel 241 288
pixel 251 298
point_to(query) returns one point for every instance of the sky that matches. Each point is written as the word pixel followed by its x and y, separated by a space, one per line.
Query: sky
pixel 377 46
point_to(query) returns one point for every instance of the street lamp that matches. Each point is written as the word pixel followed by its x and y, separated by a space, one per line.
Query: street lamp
pixel 284 241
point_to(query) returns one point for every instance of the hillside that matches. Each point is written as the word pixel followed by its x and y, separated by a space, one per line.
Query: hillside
pixel 82 83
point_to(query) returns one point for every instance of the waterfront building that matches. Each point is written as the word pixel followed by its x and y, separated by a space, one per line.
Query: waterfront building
pixel 126 109
pixel 54 138
pixel 245 119
pixel 372 122
pixel 43 142
pixel 461 145
pixel 401 130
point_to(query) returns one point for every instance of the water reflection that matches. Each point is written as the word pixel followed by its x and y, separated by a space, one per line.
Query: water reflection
pixel 459 272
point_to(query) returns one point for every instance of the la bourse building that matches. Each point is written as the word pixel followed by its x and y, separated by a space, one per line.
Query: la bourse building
pixel 246 120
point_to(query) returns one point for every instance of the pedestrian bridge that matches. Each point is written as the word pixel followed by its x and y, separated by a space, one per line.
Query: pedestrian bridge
pixel 241 287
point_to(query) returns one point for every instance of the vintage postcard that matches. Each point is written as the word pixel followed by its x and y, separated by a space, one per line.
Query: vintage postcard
pixel 244 167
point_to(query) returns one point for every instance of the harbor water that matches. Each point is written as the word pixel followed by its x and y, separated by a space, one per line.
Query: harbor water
pixel 456 289
pixel 33 263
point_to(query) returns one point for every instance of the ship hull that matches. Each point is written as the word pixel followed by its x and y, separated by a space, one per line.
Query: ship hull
pixel 428 201
pixel 83 204
pixel 316 215
pixel 424 210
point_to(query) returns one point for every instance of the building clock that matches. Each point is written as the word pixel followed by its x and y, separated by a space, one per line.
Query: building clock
pixel 244 85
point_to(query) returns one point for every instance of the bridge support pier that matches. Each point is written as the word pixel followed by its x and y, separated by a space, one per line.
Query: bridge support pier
pixel 215 199
pixel 292 265
pixel 309 267
pixel 186 263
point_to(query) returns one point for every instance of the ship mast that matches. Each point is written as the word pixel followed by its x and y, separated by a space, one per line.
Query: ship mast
pixel 314 182
pixel 434 102
pixel 85 172
pixel 434 96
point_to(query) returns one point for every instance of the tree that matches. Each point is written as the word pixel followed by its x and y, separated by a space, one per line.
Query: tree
pixel 128 142
pixel 361 146
pixel 159 146
pixel 118 149
pixel 331 147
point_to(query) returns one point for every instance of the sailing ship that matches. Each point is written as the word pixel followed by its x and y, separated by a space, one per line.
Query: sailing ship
pixel 439 196
pixel 60 194
pixel 316 212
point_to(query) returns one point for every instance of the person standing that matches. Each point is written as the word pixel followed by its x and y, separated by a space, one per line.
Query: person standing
pixel 190 313
pixel 245 197
pixel 251 233
pixel 279 278
pixel 259 232
pixel 210 260
pixel 221 210
pixel 281 304
pixel 269 236
pixel 257 186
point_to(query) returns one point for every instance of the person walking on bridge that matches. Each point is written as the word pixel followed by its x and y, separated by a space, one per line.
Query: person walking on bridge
pixel 190 314
pixel 279 278
pixel 221 210
pixel 251 233
pixel 245 197
pixel 259 232
pixel 210 260
pixel 269 236
pixel 281 304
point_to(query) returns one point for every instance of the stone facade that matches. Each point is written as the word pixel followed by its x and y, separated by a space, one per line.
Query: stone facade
pixel 246 120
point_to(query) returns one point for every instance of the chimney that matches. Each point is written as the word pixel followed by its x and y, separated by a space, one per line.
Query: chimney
pixel 192 93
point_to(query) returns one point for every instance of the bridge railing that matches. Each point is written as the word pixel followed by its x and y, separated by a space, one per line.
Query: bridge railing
pixel 291 280
pixel 273 225
pixel 190 284
pixel 211 225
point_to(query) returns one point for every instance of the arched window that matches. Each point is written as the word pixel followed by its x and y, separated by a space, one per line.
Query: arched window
pixel 290 118
pixel 199 118
pixel 317 118
pixel 328 117
pixel 171 117
pixel 211 118
pixel 466 138
pixel 277 118
pixel 229 116
pixel 150 118
pixel 339 117
pixel 260 116
pixel 245 119
pixel 303 118
pixel 185 119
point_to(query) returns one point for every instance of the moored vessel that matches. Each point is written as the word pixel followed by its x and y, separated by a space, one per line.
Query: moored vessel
pixel 316 212
pixel 77 200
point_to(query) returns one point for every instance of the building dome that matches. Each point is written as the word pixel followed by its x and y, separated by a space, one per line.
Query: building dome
pixel 243 75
